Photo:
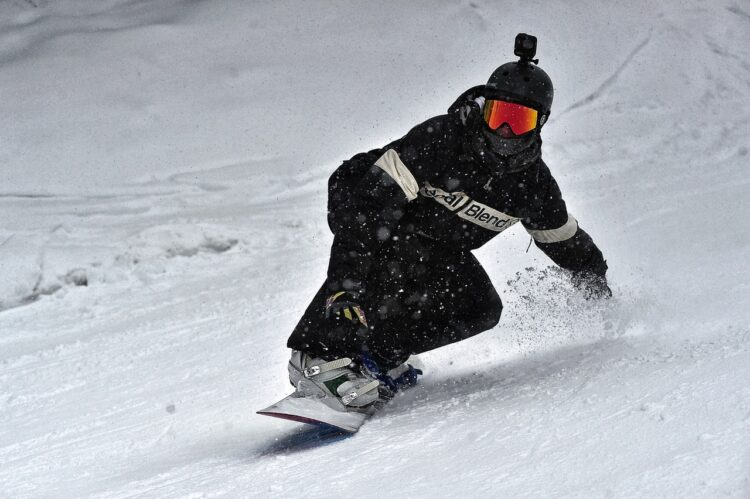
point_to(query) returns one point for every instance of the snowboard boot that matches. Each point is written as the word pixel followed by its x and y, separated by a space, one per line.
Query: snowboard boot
pixel 340 383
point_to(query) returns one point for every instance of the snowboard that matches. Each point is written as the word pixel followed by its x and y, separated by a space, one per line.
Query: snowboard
pixel 315 411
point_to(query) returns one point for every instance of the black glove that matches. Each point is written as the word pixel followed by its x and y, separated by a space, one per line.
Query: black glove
pixel 343 304
pixel 470 114
pixel 594 287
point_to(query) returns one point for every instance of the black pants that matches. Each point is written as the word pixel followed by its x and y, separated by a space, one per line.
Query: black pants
pixel 419 296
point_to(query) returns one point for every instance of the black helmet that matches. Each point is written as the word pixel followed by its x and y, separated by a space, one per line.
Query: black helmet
pixel 523 81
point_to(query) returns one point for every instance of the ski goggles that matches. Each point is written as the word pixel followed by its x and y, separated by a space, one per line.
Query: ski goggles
pixel 520 119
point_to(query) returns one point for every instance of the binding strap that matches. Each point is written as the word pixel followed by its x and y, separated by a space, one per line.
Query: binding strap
pixel 311 371
pixel 351 396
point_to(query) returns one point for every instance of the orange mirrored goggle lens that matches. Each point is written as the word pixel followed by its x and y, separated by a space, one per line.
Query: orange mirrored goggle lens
pixel 520 119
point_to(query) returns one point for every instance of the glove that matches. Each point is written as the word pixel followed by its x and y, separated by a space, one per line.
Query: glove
pixel 342 304
pixel 594 287
pixel 393 380
pixel 471 113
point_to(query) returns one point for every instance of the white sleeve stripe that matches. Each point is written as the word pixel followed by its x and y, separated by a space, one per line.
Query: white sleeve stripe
pixel 556 235
pixel 393 166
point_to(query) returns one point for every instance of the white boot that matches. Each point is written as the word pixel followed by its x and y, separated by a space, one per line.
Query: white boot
pixel 339 383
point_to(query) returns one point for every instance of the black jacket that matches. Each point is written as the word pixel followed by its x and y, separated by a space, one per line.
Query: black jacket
pixel 433 184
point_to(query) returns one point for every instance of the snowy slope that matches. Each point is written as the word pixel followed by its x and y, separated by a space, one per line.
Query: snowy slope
pixel 162 227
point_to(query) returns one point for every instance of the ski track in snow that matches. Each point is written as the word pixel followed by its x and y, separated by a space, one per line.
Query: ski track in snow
pixel 596 94
pixel 163 226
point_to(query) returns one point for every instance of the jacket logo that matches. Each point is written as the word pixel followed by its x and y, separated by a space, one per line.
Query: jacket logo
pixel 470 210
pixel 451 200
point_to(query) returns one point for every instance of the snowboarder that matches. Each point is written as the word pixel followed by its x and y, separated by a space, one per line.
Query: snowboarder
pixel 405 218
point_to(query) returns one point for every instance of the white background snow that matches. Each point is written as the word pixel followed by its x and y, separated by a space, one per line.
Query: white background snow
pixel 163 170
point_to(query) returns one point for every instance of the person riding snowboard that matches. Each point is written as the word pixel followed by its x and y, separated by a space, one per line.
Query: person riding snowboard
pixel 401 278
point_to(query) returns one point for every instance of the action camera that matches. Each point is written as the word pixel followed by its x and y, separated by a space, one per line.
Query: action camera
pixel 525 47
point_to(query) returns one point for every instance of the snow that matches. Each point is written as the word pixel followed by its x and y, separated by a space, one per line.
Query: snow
pixel 162 227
